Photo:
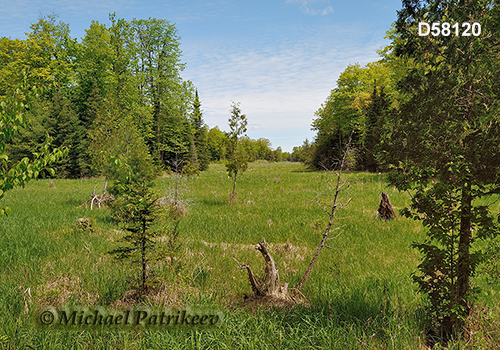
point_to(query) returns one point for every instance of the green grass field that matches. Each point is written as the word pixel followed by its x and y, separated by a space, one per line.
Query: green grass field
pixel 360 293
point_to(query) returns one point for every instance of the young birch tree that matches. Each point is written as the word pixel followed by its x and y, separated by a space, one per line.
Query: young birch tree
pixel 237 161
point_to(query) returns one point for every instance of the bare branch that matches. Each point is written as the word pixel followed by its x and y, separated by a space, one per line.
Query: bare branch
pixel 333 208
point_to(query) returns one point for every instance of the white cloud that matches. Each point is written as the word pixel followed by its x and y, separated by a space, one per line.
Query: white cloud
pixel 280 85
pixel 327 10
pixel 309 8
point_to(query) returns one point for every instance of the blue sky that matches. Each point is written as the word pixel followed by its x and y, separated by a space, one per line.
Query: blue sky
pixel 279 58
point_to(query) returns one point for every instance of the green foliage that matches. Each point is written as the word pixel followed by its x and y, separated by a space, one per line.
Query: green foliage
pixel 443 146
pixel 63 125
pixel 12 118
pixel 237 162
pixel 137 210
pixel 237 159
pixel 11 64
pixel 93 63
pixel 133 65
pixel 346 110
pixel 50 53
pixel 177 142
pixel 217 142
pixel 168 99
pixel 117 149
pixel 260 149
pixel 303 153
pixel 376 116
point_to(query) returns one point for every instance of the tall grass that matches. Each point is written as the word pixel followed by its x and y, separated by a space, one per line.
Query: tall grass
pixel 360 292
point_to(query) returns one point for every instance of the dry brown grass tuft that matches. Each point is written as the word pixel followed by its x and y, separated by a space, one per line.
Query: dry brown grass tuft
pixel 62 290
pixel 164 294
pixel 482 330
pixel 232 198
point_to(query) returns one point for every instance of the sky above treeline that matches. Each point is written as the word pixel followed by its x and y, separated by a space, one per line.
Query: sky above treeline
pixel 279 58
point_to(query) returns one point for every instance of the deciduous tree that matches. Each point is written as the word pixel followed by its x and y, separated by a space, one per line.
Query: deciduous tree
pixel 345 110
pixel 237 161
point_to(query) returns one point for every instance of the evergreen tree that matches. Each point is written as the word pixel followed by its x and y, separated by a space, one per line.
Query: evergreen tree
pixel 137 210
pixel 29 136
pixel 375 118
pixel 12 117
pixel 200 135
pixel 64 126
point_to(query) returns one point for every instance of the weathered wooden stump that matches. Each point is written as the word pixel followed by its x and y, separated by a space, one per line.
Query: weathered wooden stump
pixel 270 285
pixel 100 200
pixel 385 210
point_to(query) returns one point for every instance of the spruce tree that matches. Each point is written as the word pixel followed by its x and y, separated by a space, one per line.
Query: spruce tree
pixel 64 126
pixel 200 135
pixel 137 210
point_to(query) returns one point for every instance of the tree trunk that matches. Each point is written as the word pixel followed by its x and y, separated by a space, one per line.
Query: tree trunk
pixel 463 261
pixel 143 255
pixel 234 183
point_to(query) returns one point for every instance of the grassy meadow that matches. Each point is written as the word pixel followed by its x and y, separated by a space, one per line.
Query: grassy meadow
pixel 360 293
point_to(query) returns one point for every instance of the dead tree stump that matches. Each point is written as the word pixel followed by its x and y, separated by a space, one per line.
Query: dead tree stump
pixel 270 285
pixel 385 210
pixel 100 200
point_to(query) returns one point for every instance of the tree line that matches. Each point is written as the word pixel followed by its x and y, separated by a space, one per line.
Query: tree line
pixel 115 99
pixel 361 104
